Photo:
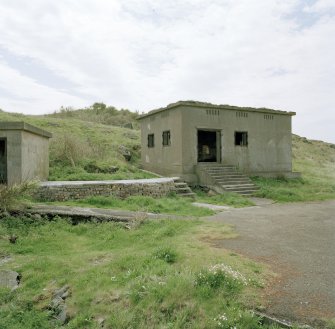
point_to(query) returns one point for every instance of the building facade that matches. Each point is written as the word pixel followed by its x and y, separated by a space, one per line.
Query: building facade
pixel 179 137
pixel 24 153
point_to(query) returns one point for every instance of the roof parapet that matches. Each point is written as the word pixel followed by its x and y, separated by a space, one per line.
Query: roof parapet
pixel 214 106
pixel 20 125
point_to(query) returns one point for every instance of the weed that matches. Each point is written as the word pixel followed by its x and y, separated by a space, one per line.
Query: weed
pixel 221 275
pixel 166 254
pixel 12 197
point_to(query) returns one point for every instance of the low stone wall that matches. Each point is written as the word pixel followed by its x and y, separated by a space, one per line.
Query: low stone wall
pixel 62 191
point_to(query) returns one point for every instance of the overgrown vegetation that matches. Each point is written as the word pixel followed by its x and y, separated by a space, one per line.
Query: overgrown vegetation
pixel 316 162
pixel 100 113
pixel 13 197
pixel 160 274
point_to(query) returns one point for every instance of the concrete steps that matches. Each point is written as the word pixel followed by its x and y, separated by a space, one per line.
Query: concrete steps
pixel 182 189
pixel 227 178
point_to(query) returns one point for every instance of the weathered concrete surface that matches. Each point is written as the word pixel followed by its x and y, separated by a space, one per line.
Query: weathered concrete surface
pixel 210 206
pixel 297 240
pixel 9 279
pixel 98 214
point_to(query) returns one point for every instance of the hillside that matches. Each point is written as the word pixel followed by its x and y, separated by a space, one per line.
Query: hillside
pixel 83 143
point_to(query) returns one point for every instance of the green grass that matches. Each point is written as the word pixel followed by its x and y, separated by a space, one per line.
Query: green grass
pixel 146 277
pixel 294 190
pixel 168 205
pixel 228 199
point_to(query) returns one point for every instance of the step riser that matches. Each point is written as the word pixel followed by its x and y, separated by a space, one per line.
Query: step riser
pixel 233 175
pixel 220 170
pixel 233 181
pixel 232 178
pixel 240 190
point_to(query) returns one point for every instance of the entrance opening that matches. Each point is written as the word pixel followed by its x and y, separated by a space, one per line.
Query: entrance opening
pixel 207 146
pixel 3 161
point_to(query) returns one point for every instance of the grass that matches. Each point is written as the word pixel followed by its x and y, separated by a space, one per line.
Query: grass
pixel 228 199
pixel 168 205
pixel 146 277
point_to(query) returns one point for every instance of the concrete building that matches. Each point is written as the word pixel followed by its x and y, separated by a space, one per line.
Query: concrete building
pixel 177 139
pixel 24 153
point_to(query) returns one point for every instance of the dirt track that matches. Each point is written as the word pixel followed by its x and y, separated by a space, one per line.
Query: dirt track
pixel 298 241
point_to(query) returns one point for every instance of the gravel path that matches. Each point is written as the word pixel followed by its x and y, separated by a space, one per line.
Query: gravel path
pixel 298 241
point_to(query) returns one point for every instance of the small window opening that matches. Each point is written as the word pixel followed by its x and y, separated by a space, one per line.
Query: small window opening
pixel 241 138
pixel 151 140
pixel 166 136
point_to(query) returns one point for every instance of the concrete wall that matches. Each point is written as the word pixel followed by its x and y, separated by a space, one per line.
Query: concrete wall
pixel 269 138
pixel 164 160
pixel 35 157
pixel 62 191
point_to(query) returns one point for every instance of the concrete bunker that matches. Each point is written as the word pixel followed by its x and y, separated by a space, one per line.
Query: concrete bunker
pixel 255 141
pixel 24 153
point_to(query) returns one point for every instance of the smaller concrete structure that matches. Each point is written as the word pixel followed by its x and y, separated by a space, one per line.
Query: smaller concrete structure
pixel 24 153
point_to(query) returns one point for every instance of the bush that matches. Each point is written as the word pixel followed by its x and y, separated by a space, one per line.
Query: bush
pixel 12 196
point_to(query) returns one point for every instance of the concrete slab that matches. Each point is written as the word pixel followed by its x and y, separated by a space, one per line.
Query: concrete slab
pixel 211 206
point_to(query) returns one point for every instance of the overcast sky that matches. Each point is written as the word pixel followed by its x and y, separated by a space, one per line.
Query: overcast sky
pixel 144 54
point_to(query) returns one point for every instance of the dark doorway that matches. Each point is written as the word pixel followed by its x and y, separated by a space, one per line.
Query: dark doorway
pixel 3 161
pixel 207 146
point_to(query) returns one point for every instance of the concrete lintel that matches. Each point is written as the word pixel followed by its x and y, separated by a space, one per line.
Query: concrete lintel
pixel 20 125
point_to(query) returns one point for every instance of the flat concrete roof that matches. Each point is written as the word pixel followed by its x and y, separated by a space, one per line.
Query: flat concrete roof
pixel 20 125
pixel 214 106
